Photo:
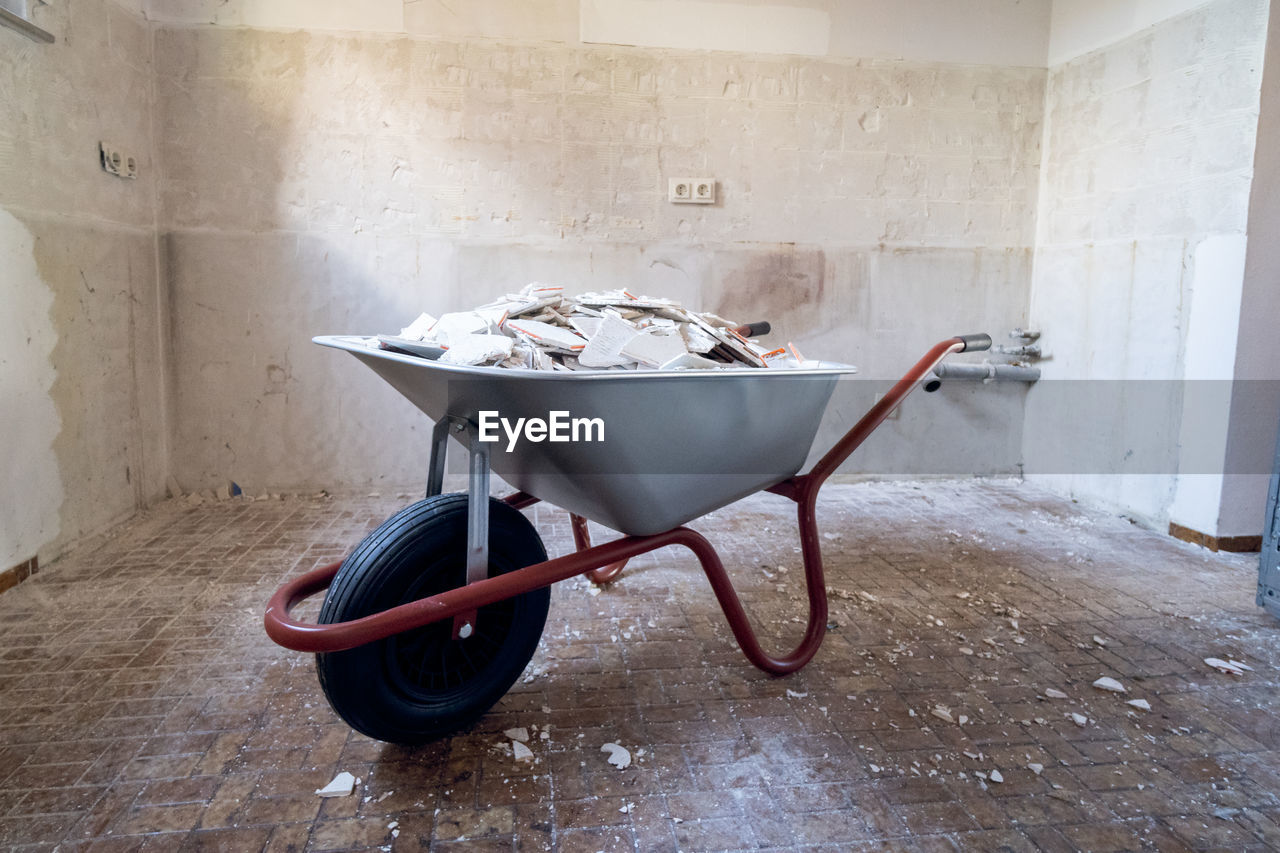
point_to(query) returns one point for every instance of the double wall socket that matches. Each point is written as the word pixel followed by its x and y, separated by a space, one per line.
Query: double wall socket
pixel 691 190
pixel 116 162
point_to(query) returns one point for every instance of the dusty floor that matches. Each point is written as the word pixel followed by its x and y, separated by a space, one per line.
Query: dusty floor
pixel 141 707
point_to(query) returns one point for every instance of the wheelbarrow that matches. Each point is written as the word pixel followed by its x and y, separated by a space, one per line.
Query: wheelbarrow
pixel 436 613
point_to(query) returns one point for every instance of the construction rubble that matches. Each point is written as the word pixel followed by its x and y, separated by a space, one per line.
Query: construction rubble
pixel 540 328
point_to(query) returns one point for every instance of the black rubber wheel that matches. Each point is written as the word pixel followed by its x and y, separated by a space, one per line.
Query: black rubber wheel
pixel 423 684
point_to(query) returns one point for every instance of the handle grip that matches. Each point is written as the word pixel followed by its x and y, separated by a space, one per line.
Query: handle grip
pixel 975 343
pixel 754 330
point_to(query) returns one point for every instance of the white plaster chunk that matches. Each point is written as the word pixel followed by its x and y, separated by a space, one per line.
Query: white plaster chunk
pixel 689 361
pixel 341 786
pixel 1140 704
pixel 1109 684
pixel 619 756
pixel 521 734
pixel 1054 693
pixel 605 347
pixel 540 328
pixel 653 348
pixel 549 335
pixel 1231 667
pixel 418 329
pixel 476 349
pixel 521 752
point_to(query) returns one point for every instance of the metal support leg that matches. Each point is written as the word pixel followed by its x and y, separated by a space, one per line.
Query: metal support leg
pixel 464 624
pixel 439 450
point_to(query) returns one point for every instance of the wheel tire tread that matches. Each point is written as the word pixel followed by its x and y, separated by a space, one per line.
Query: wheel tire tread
pixel 350 596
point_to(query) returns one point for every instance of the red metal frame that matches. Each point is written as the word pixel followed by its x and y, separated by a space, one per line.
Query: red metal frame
pixel 582 541
pixel 602 563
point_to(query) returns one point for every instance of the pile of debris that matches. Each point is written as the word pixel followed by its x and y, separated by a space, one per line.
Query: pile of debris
pixel 540 328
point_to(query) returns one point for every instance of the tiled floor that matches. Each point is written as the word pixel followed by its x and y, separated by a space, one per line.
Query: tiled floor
pixel 141 706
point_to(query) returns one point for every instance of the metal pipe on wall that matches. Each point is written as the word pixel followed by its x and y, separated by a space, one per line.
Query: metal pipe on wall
pixel 980 372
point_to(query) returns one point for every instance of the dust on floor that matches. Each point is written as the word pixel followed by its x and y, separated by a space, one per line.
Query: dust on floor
pixel 141 706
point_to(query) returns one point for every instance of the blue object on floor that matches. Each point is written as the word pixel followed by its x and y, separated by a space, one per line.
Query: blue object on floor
pixel 1269 564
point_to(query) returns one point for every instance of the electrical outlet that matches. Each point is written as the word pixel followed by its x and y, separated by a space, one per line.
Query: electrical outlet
pixel 691 190
pixel 116 162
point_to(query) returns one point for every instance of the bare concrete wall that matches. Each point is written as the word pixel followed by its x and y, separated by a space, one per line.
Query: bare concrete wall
pixel 80 363
pixel 320 183
pixel 1143 208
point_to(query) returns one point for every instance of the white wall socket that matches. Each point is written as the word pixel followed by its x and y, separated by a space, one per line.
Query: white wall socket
pixel 691 190
pixel 117 162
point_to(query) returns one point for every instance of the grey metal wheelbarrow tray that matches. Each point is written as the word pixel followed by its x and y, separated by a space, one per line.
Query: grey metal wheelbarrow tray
pixel 676 444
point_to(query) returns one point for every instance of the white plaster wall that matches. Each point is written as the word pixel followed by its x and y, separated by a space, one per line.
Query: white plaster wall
pixel 1143 209
pixel 320 183
pixel 367 15
pixel 85 432
pixel 29 516
pixel 1082 26
pixel 1255 405
pixel 980 32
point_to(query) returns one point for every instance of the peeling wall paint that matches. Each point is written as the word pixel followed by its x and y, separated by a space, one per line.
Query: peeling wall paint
pixel 29 421
pixel 88 448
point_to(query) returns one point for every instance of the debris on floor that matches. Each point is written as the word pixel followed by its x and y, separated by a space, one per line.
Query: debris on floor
pixel 691 717
pixel 341 786
pixel 1231 667
pixel 541 328
pixel 619 756
pixel 1109 684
